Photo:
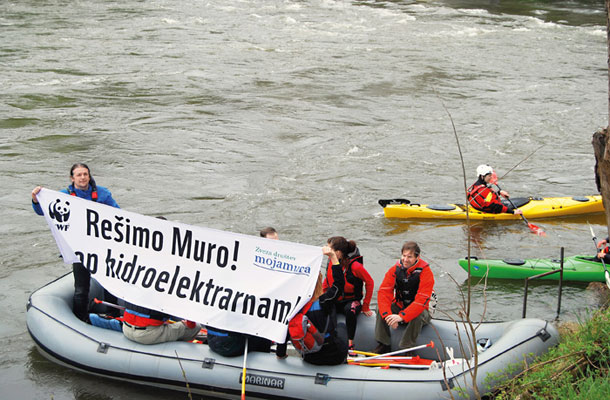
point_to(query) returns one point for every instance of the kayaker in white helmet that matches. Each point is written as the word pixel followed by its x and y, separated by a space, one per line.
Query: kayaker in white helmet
pixel 483 196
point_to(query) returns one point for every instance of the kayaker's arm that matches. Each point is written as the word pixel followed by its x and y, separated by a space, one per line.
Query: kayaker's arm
pixel 338 279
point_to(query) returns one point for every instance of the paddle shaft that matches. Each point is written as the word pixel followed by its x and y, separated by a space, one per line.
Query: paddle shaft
pixel 388 359
pixel 533 228
pixel 522 216
pixel 431 344
pixel 243 378
pixel 513 204
pixel 108 304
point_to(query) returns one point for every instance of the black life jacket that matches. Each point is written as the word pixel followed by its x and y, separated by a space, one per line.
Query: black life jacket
pixel 353 280
pixel 406 285
pixel 93 189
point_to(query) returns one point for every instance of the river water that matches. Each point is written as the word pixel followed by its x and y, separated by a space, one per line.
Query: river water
pixel 300 115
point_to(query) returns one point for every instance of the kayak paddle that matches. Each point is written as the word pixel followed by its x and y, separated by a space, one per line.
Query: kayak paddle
pixel 105 303
pixel 533 228
pixel 606 273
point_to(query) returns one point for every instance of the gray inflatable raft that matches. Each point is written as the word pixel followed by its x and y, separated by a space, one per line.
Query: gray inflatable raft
pixel 64 339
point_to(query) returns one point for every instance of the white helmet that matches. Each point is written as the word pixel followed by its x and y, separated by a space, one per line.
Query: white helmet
pixel 484 169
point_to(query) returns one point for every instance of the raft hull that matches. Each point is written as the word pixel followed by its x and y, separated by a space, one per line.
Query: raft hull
pixel 575 268
pixel 548 207
pixel 64 339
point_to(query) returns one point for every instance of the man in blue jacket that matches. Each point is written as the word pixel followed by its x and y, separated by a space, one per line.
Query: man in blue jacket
pixel 82 185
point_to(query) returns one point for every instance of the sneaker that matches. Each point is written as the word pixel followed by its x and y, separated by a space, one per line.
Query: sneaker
pixel 382 349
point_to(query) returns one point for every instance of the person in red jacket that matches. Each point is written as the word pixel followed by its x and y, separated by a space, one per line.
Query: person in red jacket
pixel 483 197
pixel 604 251
pixel 404 297
pixel 323 316
pixel 351 302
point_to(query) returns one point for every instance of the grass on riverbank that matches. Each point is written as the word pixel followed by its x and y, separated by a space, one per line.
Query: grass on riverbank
pixel 575 369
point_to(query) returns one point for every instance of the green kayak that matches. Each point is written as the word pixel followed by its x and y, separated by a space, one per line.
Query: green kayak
pixel 575 268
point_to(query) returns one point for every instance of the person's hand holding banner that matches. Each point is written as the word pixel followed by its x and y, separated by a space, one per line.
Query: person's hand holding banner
pixel 227 280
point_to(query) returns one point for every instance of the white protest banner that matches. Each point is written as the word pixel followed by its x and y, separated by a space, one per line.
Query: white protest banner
pixel 226 280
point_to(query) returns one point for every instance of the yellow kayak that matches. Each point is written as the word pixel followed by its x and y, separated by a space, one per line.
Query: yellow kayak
pixel 532 207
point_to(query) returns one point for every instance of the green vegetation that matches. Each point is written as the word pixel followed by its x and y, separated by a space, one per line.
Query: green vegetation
pixel 576 369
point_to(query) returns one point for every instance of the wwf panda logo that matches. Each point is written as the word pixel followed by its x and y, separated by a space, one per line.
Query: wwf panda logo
pixel 59 210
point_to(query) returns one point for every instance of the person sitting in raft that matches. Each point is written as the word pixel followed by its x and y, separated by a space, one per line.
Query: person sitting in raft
pixel 269 233
pixel 351 302
pixel 323 316
pixel 484 197
pixel 404 297
pixel 146 326
pixel 82 185
pixel 232 344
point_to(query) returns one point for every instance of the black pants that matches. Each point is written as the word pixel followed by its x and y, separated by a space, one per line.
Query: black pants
pixel 350 309
pixel 82 284
pixel 234 344
pixel 334 351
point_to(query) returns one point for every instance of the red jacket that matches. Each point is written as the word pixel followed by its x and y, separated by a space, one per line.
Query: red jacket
pixel 359 272
pixel 387 294
pixel 485 199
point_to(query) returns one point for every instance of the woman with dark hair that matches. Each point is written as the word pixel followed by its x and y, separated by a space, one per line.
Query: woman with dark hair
pixel 352 301
pixel 81 185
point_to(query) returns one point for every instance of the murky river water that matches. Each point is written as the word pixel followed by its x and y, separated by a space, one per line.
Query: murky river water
pixel 301 115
